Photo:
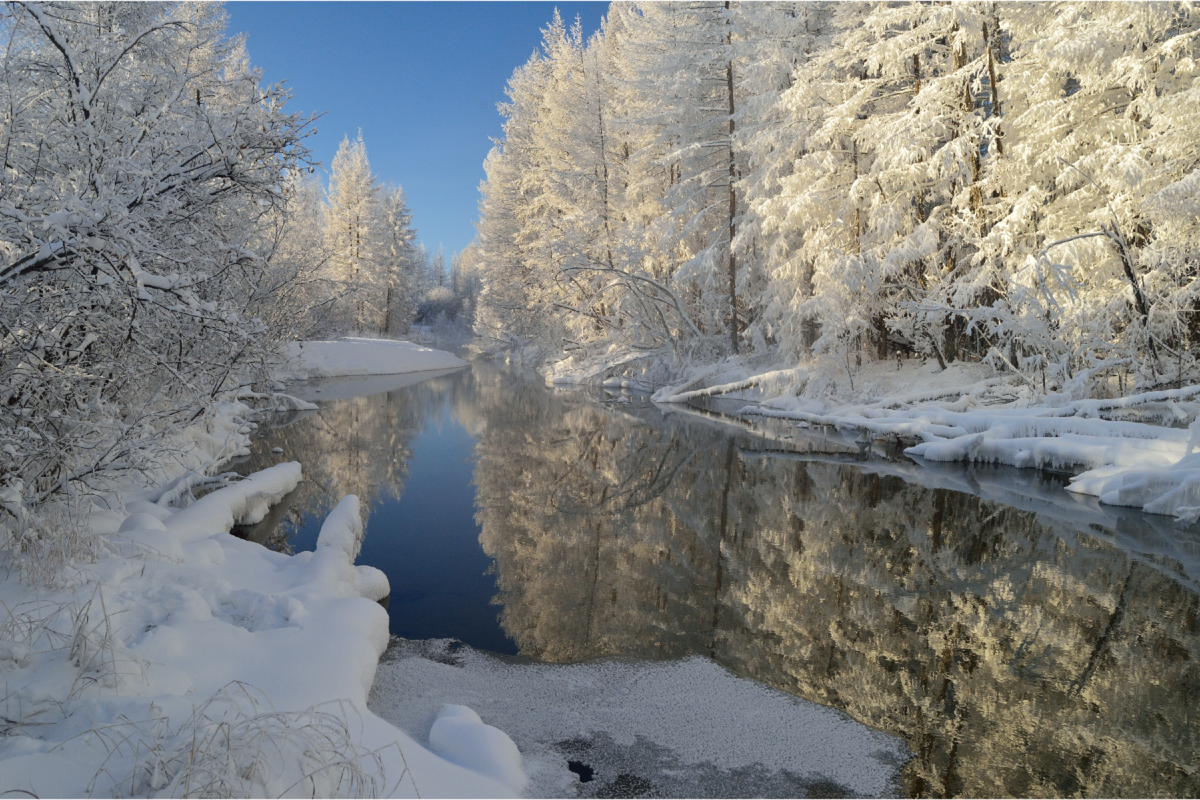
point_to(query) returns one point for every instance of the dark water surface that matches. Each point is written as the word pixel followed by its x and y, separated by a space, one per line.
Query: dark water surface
pixel 1020 640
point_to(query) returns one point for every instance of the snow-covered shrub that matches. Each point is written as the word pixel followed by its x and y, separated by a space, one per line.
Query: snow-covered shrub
pixel 141 155
pixel 235 744
pixel 45 542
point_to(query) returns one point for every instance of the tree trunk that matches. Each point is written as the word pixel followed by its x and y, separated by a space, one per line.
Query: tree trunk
pixel 733 316
pixel 993 45
pixel 387 312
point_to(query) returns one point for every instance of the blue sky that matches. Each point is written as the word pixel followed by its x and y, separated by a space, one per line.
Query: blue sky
pixel 421 79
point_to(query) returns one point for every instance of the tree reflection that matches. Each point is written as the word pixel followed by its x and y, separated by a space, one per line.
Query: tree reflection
pixel 360 446
pixel 1016 655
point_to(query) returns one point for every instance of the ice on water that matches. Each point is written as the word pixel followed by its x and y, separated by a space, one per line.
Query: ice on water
pixel 685 728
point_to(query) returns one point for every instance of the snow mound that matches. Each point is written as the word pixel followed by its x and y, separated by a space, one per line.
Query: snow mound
pixel 196 663
pixel 364 357
pixel 680 728
pixel 245 502
pixel 461 737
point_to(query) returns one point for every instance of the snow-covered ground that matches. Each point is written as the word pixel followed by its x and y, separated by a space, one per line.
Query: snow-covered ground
pixel 182 660
pixel 358 356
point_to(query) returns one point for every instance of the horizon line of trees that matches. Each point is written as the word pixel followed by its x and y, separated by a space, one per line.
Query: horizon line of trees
pixel 1013 183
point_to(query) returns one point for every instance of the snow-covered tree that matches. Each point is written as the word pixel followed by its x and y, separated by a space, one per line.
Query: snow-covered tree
pixel 297 298
pixel 397 262
pixel 352 234
pixel 1009 182
pixel 140 155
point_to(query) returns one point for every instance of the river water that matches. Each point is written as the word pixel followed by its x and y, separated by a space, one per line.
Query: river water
pixel 1018 640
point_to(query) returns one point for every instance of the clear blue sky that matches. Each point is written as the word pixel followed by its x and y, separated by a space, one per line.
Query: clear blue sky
pixel 421 79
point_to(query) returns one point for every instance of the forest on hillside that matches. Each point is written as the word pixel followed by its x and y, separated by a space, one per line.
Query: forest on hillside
pixel 831 184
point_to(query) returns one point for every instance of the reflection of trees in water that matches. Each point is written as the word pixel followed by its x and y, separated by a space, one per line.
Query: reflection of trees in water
pixel 1015 657
pixel 358 446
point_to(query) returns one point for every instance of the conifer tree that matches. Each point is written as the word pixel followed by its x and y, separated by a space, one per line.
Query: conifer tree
pixel 351 232
pixel 397 262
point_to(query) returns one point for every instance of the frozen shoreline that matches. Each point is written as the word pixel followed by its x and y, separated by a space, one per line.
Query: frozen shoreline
pixel 361 356
pixel 185 660
pixel 1123 452
pixel 180 627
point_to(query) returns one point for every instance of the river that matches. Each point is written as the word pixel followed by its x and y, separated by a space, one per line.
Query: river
pixel 1019 641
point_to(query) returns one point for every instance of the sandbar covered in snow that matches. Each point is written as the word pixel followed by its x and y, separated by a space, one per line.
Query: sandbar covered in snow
pixel 358 356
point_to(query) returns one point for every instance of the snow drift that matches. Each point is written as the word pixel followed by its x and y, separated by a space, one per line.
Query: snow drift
pixel 187 661
pixel 356 356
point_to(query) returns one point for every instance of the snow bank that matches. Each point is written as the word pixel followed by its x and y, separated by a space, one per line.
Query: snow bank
pixel 1121 462
pixel 678 729
pixel 245 502
pixel 187 661
pixel 354 356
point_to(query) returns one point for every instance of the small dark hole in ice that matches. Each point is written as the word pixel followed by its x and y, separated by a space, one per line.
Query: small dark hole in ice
pixel 581 769
pixel 825 788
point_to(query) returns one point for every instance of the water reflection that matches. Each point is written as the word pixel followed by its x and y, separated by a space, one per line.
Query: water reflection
pixel 1022 642
pixel 1017 654
pixel 353 445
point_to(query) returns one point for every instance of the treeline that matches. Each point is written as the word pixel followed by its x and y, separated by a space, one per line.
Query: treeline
pixel 378 279
pixel 832 182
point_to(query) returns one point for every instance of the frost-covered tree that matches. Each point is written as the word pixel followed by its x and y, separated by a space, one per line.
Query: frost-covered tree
pixel 515 310
pixel 297 298
pixel 1099 143
pixel 140 154
pixel 352 234
pixel 1008 182
pixel 397 262
pixel 681 61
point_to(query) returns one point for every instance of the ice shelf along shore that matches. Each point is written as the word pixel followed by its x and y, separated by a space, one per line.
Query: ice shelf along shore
pixel 358 356
pixel 1127 451
pixel 683 728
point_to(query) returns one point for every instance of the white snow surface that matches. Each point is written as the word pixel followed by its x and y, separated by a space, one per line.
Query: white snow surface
pixel 961 415
pixel 688 727
pixel 359 356
pixel 964 413
pixel 1123 463
pixel 174 621
pixel 184 660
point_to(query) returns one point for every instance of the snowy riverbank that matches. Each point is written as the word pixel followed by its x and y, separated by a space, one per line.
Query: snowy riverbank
pixel 359 356
pixel 1130 451
pixel 180 659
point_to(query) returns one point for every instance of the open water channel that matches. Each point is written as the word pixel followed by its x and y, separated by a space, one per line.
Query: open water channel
pixel 1018 641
